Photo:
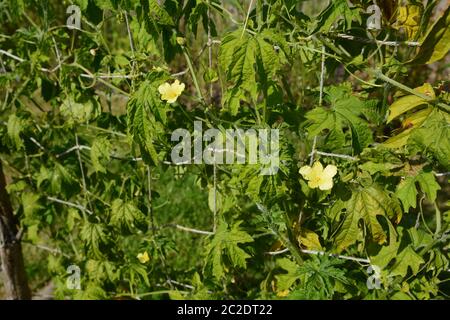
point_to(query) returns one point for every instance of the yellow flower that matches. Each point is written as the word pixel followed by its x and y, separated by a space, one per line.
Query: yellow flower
pixel 143 257
pixel 317 176
pixel 282 294
pixel 171 92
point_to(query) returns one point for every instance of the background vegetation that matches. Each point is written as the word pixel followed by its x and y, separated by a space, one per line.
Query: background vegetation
pixel 85 147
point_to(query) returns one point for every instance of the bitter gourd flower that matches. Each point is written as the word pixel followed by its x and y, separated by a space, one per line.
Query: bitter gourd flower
pixel 171 92
pixel 143 257
pixel 318 177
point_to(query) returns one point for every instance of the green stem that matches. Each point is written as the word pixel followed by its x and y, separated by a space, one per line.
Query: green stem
pixel 293 249
pixel 194 77
pixel 438 220
pixel 383 77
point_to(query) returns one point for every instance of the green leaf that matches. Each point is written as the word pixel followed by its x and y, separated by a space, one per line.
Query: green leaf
pixel 437 41
pixel 407 192
pixel 143 126
pixel 386 253
pixel 246 59
pixel 336 11
pixel 30 203
pixel 79 112
pixel 433 137
pixel 286 280
pixel 15 126
pixel 226 242
pixel 100 152
pixel 366 204
pixel 95 236
pixel 237 57
pixel 408 258
pixel 126 216
pixel 346 112
pixel 428 184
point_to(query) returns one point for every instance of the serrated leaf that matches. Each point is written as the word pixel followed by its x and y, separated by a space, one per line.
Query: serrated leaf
pixel 366 204
pixel 100 153
pixel 15 126
pixel 336 11
pixel 226 242
pixel 30 203
pixel 95 236
pixel 126 216
pixel 79 112
pixel 398 140
pixel 407 192
pixel 237 57
pixel 346 112
pixel 246 59
pixel 428 184
pixel 386 253
pixel 408 18
pixel 142 110
pixel 433 137
pixel 407 258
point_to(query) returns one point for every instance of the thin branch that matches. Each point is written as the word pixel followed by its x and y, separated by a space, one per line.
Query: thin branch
pixel 150 202
pixel 110 76
pixel 183 228
pixel 181 284
pixel 380 42
pixel 313 151
pixel 315 252
pixel 246 18
pixel 70 204
pixel 45 248
pixel 83 177
pixel 37 143
pixel 180 73
pixel 442 174
pixel 130 37
pixel 193 230
pixel 79 147
pixel 336 155
pixel 275 253
pixel 215 197
pixel 6 53
pixel 322 75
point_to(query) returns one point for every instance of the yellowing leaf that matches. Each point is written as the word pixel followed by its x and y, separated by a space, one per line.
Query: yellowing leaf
pixel 408 18
pixel 397 141
pixel 437 41
pixel 409 102
pixel 417 118
pixel 310 240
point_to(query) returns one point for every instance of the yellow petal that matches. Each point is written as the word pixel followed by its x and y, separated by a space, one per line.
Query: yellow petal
pixel 314 183
pixel 326 184
pixel 164 88
pixel 143 257
pixel 177 87
pixel 305 171
pixel 317 168
pixel 282 294
pixel 330 171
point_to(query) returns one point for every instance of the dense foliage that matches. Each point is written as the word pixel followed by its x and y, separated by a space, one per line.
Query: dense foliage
pixel 85 141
